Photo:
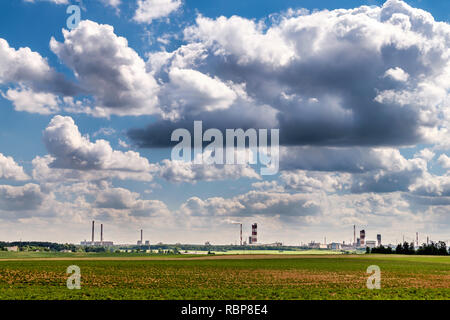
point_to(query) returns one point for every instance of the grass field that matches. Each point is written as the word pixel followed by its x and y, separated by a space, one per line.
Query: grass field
pixel 223 277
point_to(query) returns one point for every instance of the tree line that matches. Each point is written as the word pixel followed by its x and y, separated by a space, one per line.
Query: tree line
pixel 434 249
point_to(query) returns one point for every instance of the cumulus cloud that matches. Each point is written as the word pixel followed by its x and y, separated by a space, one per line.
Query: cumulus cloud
pixel 22 198
pixel 254 203
pixel 193 90
pixel 46 173
pixel 70 150
pixel 149 10
pixel 108 69
pixel 350 71
pixel 397 74
pixel 426 154
pixel 124 199
pixel 10 170
pixel 28 68
pixel 180 171
pixel 25 99
pixel 307 181
pixel 371 169
pixel 355 160
pixel 444 161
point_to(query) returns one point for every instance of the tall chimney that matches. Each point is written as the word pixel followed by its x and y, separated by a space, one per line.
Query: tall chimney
pixel 417 239
pixel 93 227
pixel 254 233
pixel 101 233
pixel 241 234
pixel 142 236
pixel 354 235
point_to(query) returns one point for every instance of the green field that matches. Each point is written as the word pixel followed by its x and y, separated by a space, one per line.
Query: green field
pixel 311 251
pixel 121 276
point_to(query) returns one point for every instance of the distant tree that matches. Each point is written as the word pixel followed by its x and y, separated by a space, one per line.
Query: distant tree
pixel 382 249
pixel 442 248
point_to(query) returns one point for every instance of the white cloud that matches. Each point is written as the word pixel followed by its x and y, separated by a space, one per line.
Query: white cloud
pixel 433 186
pixel 112 3
pixel 71 150
pixel 179 171
pixel 10 170
pixel 444 161
pixel 22 65
pixel 426 154
pixel 104 131
pixel 108 69
pixel 194 90
pixel 123 199
pixel 244 39
pixel 397 74
pixel 25 99
pixel 149 10
pixel 307 181
pixel 26 67
pixel 254 203
pixel 123 144
pixel 45 173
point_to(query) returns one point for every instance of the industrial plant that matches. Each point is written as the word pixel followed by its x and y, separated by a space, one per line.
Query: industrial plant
pixel 360 243
pixel 101 243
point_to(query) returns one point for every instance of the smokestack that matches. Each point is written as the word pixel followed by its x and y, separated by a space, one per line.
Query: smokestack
pixel 241 234
pixel 417 239
pixel 101 233
pixel 93 228
pixel 354 235
pixel 254 233
pixel 142 236
pixel 362 236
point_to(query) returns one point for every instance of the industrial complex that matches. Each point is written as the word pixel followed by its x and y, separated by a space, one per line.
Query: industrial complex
pixel 358 243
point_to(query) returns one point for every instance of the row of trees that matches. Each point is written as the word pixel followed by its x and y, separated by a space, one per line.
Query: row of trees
pixel 434 248
pixel 37 245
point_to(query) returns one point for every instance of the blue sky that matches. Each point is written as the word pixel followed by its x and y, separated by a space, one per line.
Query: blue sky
pixel 361 109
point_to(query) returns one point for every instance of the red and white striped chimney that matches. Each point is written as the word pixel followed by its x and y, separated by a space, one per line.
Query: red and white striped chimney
pixel 254 233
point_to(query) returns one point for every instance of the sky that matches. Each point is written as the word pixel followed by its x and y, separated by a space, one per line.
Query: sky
pixel 359 91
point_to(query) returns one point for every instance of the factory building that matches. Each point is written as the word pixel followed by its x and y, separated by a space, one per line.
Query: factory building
pixel 96 243
pixel 371 244
pixel 335 246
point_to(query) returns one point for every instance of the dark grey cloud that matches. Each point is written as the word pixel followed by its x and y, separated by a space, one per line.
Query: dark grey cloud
pixel 325 75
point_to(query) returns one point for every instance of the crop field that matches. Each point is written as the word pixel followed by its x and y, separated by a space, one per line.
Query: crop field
pixel 225 277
